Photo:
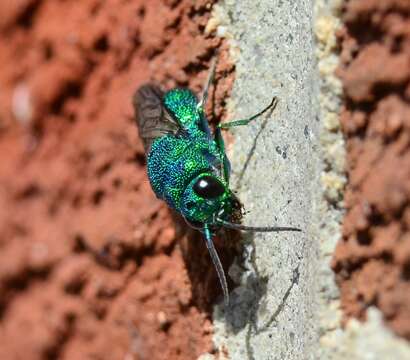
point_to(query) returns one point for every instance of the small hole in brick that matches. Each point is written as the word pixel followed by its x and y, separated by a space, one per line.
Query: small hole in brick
pixel 116 183
pixel 98 197
pixel 406 271
pixel 364 238
pixel 101 44
pixel 79 244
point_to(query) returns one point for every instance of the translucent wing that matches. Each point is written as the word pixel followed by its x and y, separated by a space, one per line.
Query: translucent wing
pixel 152 119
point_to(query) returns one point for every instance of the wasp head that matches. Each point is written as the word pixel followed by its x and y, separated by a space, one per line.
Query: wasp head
pixel 208 198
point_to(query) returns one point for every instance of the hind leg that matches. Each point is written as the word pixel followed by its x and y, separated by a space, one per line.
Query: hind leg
pixel 246 121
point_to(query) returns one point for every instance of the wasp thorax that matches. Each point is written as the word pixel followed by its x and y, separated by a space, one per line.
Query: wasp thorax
pixel 208 187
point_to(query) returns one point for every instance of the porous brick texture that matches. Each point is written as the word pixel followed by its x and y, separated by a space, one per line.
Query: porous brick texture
pixel 92 265
pixel 372 262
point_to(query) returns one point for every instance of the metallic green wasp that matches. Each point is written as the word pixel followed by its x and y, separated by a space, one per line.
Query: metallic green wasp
pixel 186 163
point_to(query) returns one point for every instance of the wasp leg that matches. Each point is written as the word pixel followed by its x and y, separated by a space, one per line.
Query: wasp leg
pixel 217 263
pixel 208 83
pixel 226 168
pixel 246 121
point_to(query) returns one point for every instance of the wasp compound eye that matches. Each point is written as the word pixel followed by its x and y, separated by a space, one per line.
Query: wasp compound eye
pixel 208 187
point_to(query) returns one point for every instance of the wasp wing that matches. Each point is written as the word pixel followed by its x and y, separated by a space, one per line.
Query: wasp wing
pixel 152 119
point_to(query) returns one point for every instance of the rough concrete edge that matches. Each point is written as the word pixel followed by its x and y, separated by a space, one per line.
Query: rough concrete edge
pixel 371 339
pixel 332 178
pixel 218 24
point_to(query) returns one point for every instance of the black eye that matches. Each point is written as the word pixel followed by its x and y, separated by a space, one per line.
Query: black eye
pixel 208 187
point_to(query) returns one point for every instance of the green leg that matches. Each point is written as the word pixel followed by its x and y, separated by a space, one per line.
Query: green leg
pixel 242 122
pixel 217 263
pixel 221 147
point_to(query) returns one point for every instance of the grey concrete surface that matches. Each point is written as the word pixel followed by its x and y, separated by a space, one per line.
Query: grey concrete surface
pixel 275 162
pixel 288 170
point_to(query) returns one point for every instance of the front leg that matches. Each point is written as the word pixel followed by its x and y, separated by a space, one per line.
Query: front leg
pixel 226 167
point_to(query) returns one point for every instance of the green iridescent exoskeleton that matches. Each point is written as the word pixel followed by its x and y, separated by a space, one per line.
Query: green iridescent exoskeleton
pixel 186 163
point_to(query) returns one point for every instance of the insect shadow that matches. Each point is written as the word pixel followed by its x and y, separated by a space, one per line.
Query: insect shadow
pixel 202 275
pixel 248 300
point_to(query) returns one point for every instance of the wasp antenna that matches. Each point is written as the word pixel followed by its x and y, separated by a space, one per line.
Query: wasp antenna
pixel 208 83
pixel 230 225
pixel 217 264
